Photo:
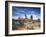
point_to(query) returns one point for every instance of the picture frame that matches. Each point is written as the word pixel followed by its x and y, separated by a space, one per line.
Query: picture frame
pixel 12 9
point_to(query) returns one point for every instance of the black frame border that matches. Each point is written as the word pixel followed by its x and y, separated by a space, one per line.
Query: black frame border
pixel 6 17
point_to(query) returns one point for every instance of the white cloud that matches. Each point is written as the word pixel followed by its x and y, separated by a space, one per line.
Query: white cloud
pixel 32 13
pixel 22 11
pixel 22 16
pixel 35 17
pixel 14 17
pixel 28 16
pixel 17 13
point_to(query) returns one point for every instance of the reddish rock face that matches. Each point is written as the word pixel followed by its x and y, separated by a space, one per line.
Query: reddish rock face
pixel 21 28
pixel 23 19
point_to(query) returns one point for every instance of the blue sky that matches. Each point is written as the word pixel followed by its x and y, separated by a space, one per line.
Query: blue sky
pixel 21 11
